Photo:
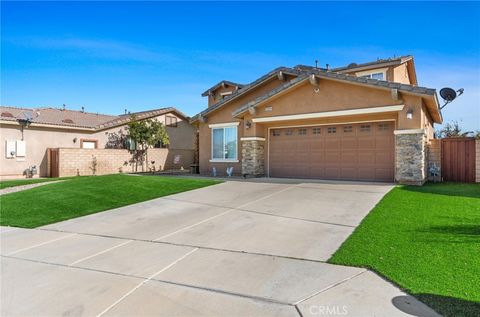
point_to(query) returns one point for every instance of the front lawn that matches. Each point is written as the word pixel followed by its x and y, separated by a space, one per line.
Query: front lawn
pixel 427 241
pixel 25 181
pixel 80 196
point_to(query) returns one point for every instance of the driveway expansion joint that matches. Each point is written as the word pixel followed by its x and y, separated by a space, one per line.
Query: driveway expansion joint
pixel 192 246
pixel 43 243
pixel 330 287
pixel 145 281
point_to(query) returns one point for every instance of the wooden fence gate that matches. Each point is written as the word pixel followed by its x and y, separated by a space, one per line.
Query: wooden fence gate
pixel 54 163
pixel 458 160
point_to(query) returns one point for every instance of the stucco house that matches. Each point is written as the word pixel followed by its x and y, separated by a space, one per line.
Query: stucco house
pixel 367 121
pixel 80 135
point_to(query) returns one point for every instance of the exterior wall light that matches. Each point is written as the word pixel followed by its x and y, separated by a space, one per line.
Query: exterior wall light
pixel 75 140
pixel 410 114
pixel 248 124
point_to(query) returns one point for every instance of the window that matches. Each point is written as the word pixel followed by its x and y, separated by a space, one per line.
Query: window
pixel 88 144
pixel 316 130
pixel 289 132
pixel 364 128
pixel 347 129
pixel 276 132
pixel 171 121
pixel 383 127
pixel 302 131
pixel 332 130
pixel 378 76
pixel 224 143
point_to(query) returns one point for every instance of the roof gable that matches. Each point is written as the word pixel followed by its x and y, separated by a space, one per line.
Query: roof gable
pixel 427 93
pixel 223 83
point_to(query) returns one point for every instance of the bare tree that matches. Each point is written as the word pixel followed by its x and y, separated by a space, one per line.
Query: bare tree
pixel 451 130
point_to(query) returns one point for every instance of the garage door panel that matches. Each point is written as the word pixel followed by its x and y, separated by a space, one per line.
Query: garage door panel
pixel 383 158
pixel 366 158
pixel 366 143
pixel 349 159
pixel 332 172
pixel 332 158
pixel 366 173
pixel 354 151
pixel 384 174
pixel 347 173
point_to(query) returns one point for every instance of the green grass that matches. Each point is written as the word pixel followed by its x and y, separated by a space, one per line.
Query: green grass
pixel 25 181
pixel 427 241
pixel 81 196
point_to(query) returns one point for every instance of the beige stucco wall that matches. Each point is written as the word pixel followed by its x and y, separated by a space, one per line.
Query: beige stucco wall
pixel 73 162
pixel 400 74
pixel 332 96
pixel 38 139
pixel 223 115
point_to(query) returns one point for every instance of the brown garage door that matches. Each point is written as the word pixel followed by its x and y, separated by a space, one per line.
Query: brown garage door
pixel 353 151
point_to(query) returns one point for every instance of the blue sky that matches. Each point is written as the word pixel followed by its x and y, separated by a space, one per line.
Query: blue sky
pixel 108 56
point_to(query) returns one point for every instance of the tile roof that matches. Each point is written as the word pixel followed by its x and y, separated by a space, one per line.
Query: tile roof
pixel 353 66
pixel 247 88
pixel 335 73
pixel 223 82
pixel 55 116
pixel 76 119
pixel 321 73
pixel 125 118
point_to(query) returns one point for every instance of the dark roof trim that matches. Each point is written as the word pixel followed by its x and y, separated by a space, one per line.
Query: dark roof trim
pixel 378 63
pixel 271 93
pixel 142 115
pixel 246 89
pixel 221 84
pixel 344 78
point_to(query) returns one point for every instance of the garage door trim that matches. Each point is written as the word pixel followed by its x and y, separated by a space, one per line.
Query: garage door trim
pixel 315 125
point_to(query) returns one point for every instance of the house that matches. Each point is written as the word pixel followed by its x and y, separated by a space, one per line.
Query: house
pixel 28 133
pixel 367 121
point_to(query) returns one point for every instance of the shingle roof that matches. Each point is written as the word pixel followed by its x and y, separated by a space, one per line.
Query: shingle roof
pixel 77 119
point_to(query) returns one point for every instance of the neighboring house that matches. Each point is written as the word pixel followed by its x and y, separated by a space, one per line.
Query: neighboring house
pixel 26 143
pixel 360 122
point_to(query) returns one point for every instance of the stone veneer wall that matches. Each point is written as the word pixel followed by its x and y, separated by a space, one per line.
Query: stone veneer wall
pixel 434 158
pixel 253 157
pixel 477 161
pixel 74 162
pixel 410 158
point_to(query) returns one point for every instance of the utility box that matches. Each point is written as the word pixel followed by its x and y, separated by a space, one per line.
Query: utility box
pixel 10 148
pixel 21 149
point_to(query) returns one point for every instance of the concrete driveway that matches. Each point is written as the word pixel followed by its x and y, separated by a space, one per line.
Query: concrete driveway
pixel 234 249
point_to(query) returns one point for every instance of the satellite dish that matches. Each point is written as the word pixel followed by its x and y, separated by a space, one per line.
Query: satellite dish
pixel 449 94
pixel 30 115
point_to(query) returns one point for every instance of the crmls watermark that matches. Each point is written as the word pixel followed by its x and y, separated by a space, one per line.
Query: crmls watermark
pixel 326 310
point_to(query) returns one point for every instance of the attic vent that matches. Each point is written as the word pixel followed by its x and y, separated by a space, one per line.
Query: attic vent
pixel 352 65
pixel 67 121
pixel 7 115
